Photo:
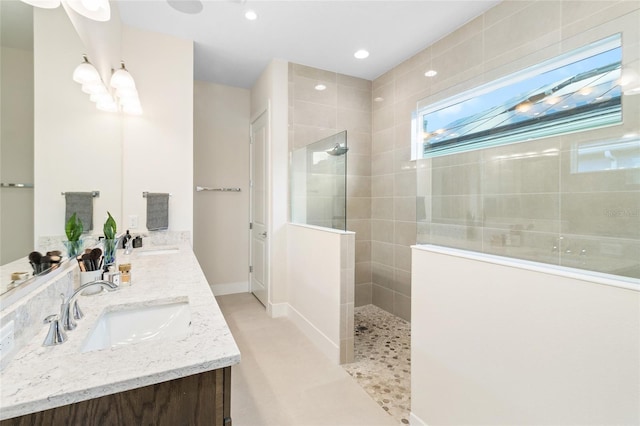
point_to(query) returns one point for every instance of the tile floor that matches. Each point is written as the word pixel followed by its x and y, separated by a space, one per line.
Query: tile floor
pixel 283 379
pixel 383 359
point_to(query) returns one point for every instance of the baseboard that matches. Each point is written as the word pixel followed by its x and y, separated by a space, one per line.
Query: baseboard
pixel 230 288
pixel 277 310
pixel 330 349
pixel 415 420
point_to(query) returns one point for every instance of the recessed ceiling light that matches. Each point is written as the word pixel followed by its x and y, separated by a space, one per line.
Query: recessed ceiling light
pixel 378 99
pixel 251 15
pixel 361 54
pixel 431 73
pixel 320 87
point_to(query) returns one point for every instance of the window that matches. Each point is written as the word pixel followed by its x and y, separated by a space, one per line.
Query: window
pixel 576 91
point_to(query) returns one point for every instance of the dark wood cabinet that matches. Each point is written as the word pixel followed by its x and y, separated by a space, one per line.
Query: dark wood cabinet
pixel 201 399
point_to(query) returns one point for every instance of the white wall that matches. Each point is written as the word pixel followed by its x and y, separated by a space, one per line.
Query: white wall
pixel 76 146
pixel 321 276
pixel 157 146
pixel 271 91
pixel 498 344
pixel 221 159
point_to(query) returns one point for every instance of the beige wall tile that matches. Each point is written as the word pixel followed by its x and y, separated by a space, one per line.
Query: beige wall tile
pixel 382 230
pixel 414 81
pixel 418 60
pixel 363 272
pixel 404 184
pixel 312 114
pixel 385 96
pixel 404 209
pixel 382 275
pixel 354 121
pixel 402 282
pixel 363 294
pixel 382 185
pixel 362 227
pixel 383 79
pixel 402 160
pixel 382 208
pixel 402 306
pixel 580 17
pixel 358 83
pixel 359 142
pixel 382 141
pixel 358 186
pixel 505 10
pixel 355 99
pixel 358 164
pixel 382 298
pixel 382 164
pixel 405 233
pixel 402 257
pixel 360 208
pixel 363 251
pixel 314 73
pixel 382 253
pixel 510 34
pixel 304 90
pixel 382 118
pixel 469 30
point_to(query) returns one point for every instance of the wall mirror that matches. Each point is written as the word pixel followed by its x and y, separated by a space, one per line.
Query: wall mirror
pixel 53 137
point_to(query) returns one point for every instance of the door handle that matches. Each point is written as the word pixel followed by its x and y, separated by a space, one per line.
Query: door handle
pixel 264 234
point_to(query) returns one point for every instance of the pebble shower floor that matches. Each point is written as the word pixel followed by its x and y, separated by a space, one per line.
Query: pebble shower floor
pixel 382 363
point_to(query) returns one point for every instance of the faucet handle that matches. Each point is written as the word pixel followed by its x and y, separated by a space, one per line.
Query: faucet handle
pixel 56 334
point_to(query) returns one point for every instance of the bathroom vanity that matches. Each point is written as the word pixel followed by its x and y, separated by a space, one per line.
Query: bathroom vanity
pixel 105 374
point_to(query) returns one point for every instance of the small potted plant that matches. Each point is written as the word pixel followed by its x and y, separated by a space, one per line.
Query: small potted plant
pixel 73 228
pixel 110 240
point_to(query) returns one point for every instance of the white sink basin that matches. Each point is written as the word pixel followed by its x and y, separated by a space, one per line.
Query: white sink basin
pixel 153 252
pixel 139 323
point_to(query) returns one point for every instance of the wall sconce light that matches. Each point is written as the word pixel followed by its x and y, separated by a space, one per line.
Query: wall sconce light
pixel 121 96
pixel 125 87
pixel 98 10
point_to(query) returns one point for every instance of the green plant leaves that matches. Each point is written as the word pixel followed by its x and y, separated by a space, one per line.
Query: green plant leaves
pixel 110 228
pixel 73 228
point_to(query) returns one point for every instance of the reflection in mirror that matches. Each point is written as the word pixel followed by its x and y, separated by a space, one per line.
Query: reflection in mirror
pixel 16 137
pixel 62 138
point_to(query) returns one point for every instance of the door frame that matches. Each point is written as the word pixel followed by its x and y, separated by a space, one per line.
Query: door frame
pixel 267 151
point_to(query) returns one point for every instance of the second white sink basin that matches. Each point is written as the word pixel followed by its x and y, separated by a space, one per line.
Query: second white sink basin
pixel 139 323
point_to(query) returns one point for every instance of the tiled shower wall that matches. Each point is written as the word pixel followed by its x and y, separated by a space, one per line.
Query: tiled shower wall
pixel 345 104
pixel 511 30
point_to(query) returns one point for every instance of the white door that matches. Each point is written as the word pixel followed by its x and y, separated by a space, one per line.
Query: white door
pixel 258 271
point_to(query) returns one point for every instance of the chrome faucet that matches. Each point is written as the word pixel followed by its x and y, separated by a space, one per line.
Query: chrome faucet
pixel 70 311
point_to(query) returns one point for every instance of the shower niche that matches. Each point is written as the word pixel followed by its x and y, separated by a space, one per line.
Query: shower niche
pixel 318 183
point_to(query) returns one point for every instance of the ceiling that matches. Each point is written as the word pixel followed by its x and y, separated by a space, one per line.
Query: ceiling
pixel 231 50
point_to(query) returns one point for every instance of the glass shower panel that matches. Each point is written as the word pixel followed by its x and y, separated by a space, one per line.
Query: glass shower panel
pixel 318 183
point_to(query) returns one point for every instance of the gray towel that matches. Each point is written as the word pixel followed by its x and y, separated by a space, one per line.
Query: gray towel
pixel 80 203
pixel 157 211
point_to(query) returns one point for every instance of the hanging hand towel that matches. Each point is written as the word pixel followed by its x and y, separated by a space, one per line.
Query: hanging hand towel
pixel 157 211
pixel 80 203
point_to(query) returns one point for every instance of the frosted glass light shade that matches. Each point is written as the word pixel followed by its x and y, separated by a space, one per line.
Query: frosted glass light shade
pixel 94 88
pixel 98 10
pixel 85 73
pixel 108 106
pixel 45 4
pixel 100 98
pixel 121 79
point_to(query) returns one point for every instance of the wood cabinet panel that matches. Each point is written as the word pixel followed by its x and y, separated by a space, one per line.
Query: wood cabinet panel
pixel 200 399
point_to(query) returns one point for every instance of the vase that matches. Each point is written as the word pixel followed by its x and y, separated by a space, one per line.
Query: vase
pixel 110 247
pixel 74 248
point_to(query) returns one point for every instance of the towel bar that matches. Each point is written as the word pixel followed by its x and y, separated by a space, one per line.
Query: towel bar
pixel 16 185
pixel 94 194
pixel 145 193
pixel 204 188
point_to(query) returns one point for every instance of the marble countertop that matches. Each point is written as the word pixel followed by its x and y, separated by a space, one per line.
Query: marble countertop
pixel 40 378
